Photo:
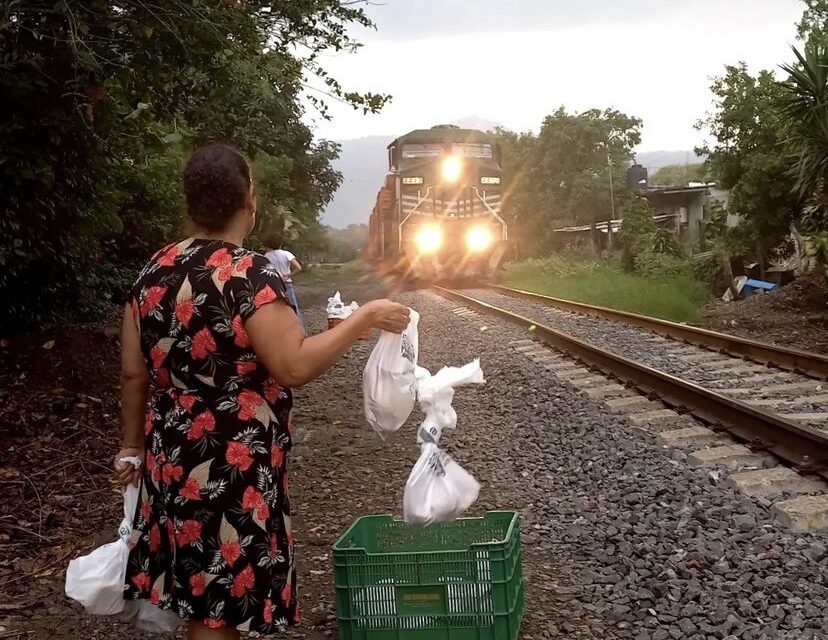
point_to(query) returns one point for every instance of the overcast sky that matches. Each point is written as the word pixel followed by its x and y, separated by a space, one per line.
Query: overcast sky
pixel 514 61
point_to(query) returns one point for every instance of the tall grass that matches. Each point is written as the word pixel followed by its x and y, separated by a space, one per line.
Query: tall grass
pixel 679 298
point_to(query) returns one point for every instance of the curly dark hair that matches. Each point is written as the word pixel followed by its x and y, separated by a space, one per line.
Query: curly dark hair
pixel 216 183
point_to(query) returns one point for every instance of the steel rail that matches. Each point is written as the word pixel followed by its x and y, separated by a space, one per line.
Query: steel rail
pixel 803 447
pixel 814 365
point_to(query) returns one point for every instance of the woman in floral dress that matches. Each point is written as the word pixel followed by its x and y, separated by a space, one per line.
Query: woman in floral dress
pixel 209 339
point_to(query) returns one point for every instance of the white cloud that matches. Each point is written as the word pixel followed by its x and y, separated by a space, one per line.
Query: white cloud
pixel 656 66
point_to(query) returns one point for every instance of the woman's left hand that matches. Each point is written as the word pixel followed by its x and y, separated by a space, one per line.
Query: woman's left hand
pixel 126 473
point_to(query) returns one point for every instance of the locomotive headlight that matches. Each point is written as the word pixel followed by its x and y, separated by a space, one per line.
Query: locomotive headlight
pixel 429 238
pixel 478 239
pixel 451 169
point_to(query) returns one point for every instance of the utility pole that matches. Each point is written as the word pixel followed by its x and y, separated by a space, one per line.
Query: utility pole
pixel 612 201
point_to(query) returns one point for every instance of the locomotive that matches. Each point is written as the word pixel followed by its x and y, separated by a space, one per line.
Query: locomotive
pixel 437 216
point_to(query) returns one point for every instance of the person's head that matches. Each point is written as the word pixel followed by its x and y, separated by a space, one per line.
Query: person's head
pixel 218 189
pixel 275 240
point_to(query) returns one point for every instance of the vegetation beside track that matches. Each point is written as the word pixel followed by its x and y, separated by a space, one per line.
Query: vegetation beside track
pixel 679 298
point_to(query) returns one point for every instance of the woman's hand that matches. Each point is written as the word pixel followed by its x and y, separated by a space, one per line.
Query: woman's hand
pixel 126 473
pixel 387 315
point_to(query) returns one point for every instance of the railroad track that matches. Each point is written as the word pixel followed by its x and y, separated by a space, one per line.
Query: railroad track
pixel 773 400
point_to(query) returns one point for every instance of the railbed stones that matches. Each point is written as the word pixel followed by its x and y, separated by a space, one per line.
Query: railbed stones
pixel 642 545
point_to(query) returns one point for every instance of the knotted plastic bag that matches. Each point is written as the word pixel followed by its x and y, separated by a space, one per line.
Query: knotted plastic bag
pixel 388 381
pixel 438 489
pixel 336 309
pixel 97 580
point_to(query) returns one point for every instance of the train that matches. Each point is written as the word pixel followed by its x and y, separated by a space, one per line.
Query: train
pixel 438 214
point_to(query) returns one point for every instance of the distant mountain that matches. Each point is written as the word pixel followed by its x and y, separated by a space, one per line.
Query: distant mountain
pixel 364 162
pixel 655 160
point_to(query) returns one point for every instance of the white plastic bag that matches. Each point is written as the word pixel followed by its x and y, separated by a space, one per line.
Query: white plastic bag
pixel 388 382
pixel 337 309
pixel 148 617
pixel 438 489
pixel 435 394
pixel 97 580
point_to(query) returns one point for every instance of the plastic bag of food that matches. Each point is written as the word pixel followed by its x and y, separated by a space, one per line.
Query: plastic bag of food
pixel 435 394
pixel 438 489
pixel 338 310
pixel 97 580
pixel 148 617
pixel 388 382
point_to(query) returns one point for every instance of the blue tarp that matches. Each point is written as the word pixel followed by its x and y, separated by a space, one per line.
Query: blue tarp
pixel 751 284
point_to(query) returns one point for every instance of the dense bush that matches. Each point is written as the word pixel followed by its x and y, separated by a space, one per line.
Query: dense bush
pixel 101 105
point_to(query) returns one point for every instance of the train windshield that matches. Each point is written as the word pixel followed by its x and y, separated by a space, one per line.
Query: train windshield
pixel 473 150
pixel 422 150
pixel 435 150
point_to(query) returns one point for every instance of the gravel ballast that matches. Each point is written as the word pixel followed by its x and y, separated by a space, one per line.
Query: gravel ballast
pixel 620 539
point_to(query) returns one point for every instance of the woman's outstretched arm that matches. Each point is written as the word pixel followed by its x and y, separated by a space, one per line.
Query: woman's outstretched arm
pixel 293 359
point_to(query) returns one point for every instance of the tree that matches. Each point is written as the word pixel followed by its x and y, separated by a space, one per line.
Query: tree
pixel 102 102
pixel 637 230
pixel 562 175
pixel 748 155
pixel 678 175
pixel 814 23
pixel 804 104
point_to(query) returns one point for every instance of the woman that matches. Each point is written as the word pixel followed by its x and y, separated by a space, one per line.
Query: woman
pixel 209 337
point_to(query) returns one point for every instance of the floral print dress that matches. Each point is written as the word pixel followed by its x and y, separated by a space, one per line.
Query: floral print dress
pixel 212 539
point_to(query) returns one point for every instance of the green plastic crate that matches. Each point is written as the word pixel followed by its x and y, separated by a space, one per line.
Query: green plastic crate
pixel 456 581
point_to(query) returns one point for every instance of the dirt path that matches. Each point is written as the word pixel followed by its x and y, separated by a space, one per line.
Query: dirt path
pixel 59 429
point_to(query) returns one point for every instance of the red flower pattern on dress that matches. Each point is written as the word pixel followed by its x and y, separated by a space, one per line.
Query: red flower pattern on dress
pixel 187 401
pixel 183 300
pixel 243 582
pixel 152 298
pixel 246 367
pixel 240 337
pixel 155 538
pixel 158 356
pixel 197 585
pixel 249 402
pixel 264 296
pixel 184 311
pixel 220 258
pixel 238 455
pixel 203 344
pixel 169 256
pixel 141 582
pixel 254 501
pixel 190 532
pixel 202 423
pixel 231 552
pixel 244 264
pixel 171 473
pixel 287 593
pixel 191 490
pixel 272 390
pixel 155 597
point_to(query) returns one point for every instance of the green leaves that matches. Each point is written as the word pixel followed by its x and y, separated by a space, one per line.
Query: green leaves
pixel 101 108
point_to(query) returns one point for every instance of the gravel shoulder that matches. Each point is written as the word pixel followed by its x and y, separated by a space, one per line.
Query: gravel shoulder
pixel 620 540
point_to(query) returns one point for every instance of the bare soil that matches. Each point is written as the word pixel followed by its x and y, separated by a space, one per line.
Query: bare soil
pixel 59 422
pixel 795 315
